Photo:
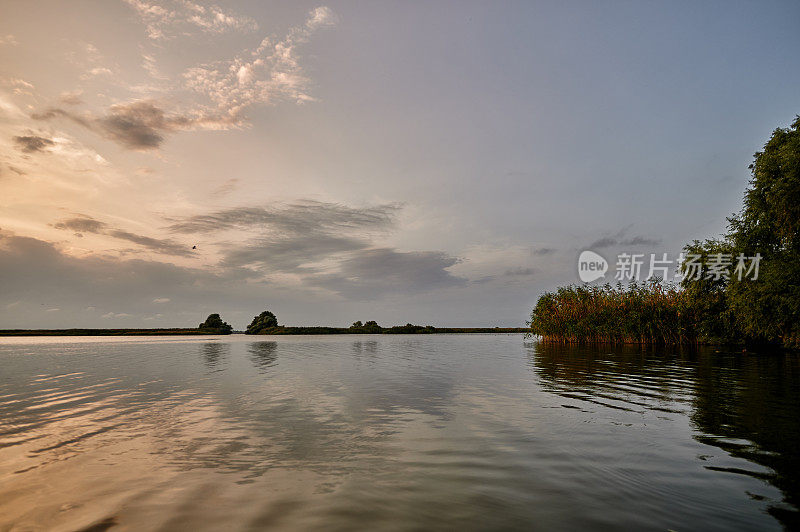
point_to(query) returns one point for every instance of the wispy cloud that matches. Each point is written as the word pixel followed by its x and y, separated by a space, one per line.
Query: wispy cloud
pixel 139 125
pixel 173 18
pixel 270 73
pixel 8 39
pixel 264 76
pixel 621 239
pixel 371 273
pixel 71 98
pixel 87 224
pixel 325 245
pixel 19 87
pixel 302 217
pixel 33 143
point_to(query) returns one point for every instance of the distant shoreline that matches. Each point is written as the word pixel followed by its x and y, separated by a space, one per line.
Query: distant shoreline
pixel 103 332
pixel 275 331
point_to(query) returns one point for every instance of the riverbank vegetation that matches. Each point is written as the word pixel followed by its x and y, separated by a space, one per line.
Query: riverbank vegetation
pixel 397 329
pixel 707 307
pixel 636 313
pixel 267 323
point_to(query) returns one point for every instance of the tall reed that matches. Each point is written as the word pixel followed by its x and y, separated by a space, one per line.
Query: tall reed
pixel 650 313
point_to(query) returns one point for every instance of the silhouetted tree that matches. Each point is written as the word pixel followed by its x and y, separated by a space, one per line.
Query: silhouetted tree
pixel 215 324
pixel 265 320
pixel 371 327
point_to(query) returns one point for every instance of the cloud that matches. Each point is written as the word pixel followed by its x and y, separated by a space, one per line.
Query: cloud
pixel 82 224
pixel 71 98
pixel 139 124
pixel 165 246
pixel 35 271
pixel 97 71
pixel 19 86
pixel 294 237
pixel 326 245
pixel 640 241
pixel 297 218
pixel 371 273
pixel 160 300
pixel 290 254
pixel 269 74
pixel 619 239
pixel 8 39
pixel 33 143
pixel 177 17
pixel 55 112
pixel 519 272
pixel 227 187
pixel 113 315
pixel 265 75
pixel 87 224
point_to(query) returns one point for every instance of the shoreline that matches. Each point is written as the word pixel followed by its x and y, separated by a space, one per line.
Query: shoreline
pixel 274 332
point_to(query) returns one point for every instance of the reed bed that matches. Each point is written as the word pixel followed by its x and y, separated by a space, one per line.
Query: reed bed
pixel 638 313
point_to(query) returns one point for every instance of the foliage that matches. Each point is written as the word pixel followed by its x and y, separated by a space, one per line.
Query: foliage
pixel 409 328
pixel 638 313
pixel 265 320
pixel 766 309
pixel 708 296
pixel 371 327
pixel 215 325
pixel 708 307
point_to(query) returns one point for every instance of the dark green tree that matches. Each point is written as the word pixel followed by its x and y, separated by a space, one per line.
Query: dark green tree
pixel 265 320
pixel 214 324
pixel 766 309
pixel 769 307
pixel 372 327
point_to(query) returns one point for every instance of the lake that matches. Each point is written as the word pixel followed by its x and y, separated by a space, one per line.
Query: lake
pixel 393 432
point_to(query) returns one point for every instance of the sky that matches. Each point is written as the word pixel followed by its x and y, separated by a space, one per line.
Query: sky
pixel 437 163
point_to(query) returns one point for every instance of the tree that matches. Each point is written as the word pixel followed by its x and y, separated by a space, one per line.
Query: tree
pixel 214 324
pixel 265 320
pixel 766 309
pixel 769 224
pixel 372 327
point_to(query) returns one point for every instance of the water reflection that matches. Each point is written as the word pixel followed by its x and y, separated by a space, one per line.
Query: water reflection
pixel 439 432
pixel 263 355
pixel 368 347
pixel 214 354
pixel 746 405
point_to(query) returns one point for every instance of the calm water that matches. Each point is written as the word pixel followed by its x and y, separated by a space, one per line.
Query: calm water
pixel 469 432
